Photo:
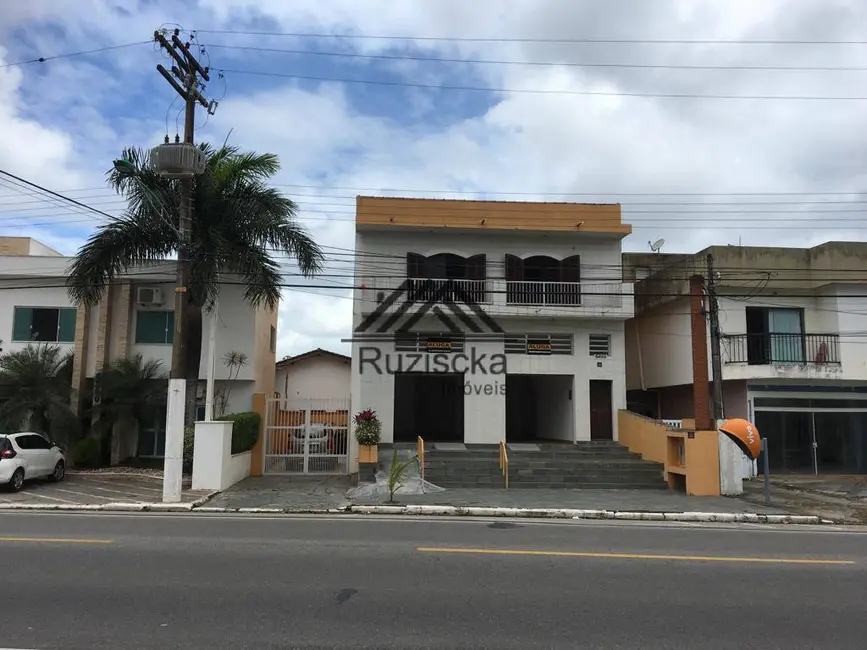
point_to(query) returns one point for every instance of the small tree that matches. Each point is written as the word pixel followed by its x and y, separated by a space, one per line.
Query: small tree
pixel 127 391
pixel 397 474
pixel 36 383
pixel 234 362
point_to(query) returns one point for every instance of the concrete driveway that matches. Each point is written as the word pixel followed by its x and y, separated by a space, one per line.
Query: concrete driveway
pixel 94 489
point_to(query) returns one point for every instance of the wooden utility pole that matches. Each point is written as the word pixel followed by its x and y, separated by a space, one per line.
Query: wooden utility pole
pixel 184 79
pixel 715 354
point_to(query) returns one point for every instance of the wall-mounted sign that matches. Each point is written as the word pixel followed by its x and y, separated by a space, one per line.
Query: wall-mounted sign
pixel 438 345
pixel 539 348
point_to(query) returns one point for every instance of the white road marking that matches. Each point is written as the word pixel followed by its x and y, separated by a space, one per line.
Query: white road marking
pixel 45 496
pixel 83 494
pixel 136 488
pixel 128 493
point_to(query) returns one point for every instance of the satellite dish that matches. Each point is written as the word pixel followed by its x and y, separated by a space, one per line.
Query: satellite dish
pixel 657 245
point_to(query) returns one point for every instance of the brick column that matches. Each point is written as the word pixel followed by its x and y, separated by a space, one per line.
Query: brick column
pixel 79 359
pixel 103 329
pixel 700 383
pixel 123 321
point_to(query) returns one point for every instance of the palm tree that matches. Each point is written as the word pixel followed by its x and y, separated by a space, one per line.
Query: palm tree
pixel 36 383
pixel 128 390
pixel 238 222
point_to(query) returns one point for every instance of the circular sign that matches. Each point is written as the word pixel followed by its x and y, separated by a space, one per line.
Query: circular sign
pixel 745 435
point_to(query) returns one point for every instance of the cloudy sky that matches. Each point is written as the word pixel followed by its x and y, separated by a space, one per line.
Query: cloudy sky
pixel 738 137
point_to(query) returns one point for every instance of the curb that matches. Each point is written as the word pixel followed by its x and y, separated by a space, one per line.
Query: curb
pixel 428 510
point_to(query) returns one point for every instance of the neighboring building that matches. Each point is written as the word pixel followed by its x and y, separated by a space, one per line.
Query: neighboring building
pixel 317 374
pixel 794 346
pixel 509 324
pixel 135 316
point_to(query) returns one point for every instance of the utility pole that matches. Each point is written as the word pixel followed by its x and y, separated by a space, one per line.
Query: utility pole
pixel 715 354
pixel 184 79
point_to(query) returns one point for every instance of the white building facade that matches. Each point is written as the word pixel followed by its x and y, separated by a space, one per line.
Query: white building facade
pixel 135 316
pixel 793 326
pixel 480 322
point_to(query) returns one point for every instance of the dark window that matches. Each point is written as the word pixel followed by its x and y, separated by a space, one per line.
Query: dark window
pixel 446 277
pixel 775 335
pixel 38 442
pixel 543 280
pixel 44 324
pixel 155 327
pixel 24 442
pixel 272 341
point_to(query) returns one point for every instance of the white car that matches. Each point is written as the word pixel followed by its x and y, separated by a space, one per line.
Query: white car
pixel 29 455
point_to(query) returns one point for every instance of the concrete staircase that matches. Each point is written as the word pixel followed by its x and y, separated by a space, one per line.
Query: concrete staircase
pixel 587 465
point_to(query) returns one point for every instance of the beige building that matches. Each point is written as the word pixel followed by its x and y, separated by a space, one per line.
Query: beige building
pixel 135 316
pixel 317 374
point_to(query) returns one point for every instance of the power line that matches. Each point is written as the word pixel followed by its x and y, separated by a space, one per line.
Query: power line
pixel 56 194
pixel 43 59
pixel 466 39
pixel 539 91
pixel 567 64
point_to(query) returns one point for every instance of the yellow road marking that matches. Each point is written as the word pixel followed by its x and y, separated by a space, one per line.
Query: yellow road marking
pixel 632 556
pixel 56 540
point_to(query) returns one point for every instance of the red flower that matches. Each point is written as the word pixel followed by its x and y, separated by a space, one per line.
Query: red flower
pixel 367 415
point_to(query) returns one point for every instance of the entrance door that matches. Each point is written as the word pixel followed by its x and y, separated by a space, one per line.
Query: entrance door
pixel 601 412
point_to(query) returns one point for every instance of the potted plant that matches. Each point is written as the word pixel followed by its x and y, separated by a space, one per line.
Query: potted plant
pixel 367 430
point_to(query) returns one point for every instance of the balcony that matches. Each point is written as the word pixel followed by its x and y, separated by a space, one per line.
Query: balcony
pixel 499 297
pixel 781 349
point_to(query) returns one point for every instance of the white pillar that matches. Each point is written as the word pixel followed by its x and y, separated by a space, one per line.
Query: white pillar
pixel 174 455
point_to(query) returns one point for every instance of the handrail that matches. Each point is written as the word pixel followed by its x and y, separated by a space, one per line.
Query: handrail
pixel 419 451
pixel 504 462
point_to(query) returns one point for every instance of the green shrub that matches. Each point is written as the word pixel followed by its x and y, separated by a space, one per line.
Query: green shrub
pixel 189 438
pixel 88 453
pixel 245 430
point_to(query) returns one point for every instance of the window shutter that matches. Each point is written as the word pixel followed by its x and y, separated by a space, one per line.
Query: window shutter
pixel 21 322
pixel 570 269
pixel 514 268
pixel 415 265
pixel 476 267
pixel 66 325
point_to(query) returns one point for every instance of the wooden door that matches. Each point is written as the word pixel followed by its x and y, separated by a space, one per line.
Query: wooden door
pixel 601 412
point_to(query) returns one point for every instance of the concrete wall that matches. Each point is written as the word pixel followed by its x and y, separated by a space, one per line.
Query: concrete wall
pixel 321 376
pixel 264 349
pixel 659 347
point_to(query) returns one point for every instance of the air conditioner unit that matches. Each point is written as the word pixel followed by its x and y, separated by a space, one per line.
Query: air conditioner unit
pixel 149 296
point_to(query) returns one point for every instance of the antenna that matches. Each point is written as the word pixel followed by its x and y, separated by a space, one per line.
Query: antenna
pixel 656 246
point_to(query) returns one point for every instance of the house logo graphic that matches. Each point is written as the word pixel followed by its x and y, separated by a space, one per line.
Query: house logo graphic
pixel 456 308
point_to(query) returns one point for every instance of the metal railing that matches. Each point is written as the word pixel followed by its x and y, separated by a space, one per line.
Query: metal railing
pixel 454 290
pixel 504 462
pixel 419 452
pixel 767 349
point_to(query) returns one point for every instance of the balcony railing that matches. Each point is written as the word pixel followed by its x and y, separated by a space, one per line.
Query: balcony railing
pixel 496 295
pixel 425 290
pixel 767 349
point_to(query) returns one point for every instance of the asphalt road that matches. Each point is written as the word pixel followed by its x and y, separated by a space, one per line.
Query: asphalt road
pixel 196 582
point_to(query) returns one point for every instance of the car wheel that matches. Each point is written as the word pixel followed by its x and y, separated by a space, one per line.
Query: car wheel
pixel 17 480
pixel 59 471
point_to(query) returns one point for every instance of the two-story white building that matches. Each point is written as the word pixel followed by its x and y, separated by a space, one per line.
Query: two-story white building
pixel 793 325
pixel 135 316
pixel 483 321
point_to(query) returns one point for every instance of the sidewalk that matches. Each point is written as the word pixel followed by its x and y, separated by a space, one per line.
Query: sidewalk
pixel 329 493
pixel 842 499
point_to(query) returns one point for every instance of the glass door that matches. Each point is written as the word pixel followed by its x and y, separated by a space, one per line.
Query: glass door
pixel 787 341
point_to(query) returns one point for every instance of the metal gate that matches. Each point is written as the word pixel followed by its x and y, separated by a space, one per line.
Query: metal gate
pixel 306 436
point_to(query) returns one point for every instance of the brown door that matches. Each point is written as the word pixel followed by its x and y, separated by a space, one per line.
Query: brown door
pixel 601 415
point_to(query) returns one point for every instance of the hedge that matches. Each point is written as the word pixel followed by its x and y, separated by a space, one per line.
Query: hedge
pixel 245 430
